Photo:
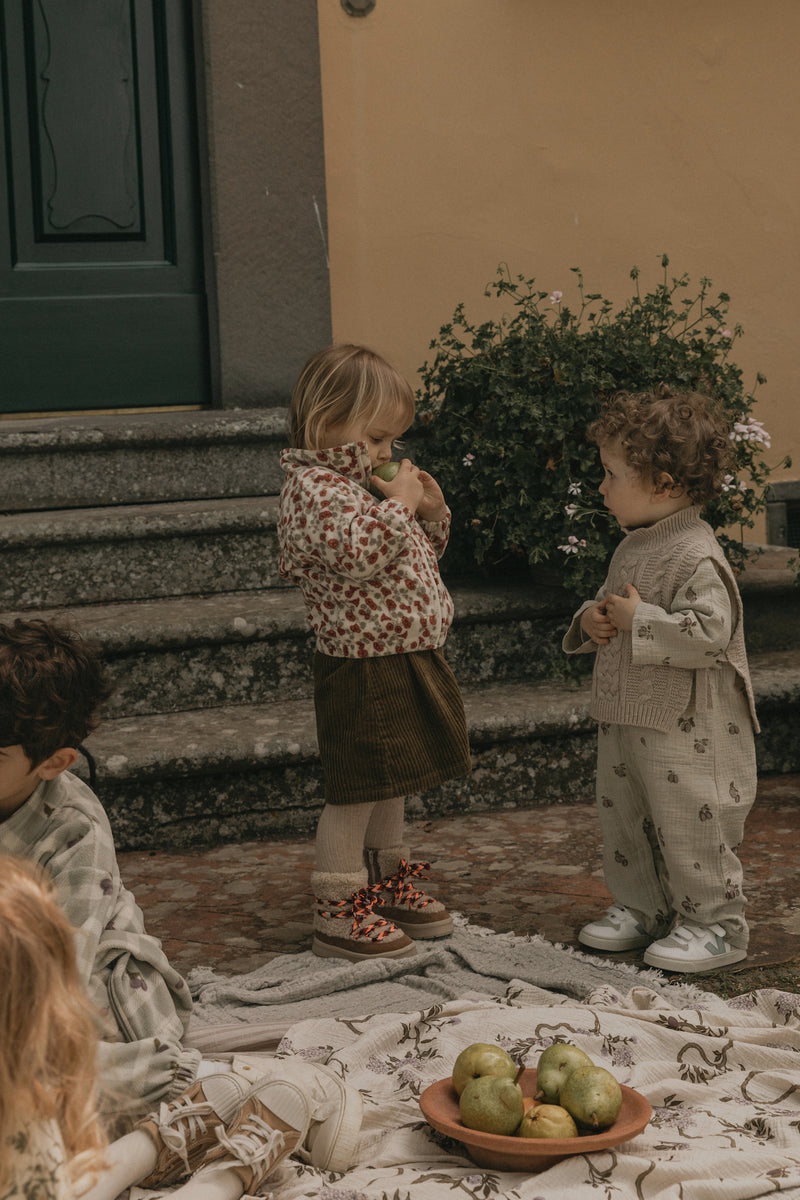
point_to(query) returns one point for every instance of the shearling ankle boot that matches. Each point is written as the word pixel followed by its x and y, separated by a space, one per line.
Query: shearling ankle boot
pixel 399 899
pixel 345 925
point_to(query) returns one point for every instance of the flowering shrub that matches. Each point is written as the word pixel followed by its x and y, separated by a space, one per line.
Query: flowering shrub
pixel 505 406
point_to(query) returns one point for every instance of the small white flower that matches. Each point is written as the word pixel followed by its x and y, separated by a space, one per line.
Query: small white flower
pixel 468 460
pixel 556 297
pixel 570 510
pixel 574 489
pixel 572 546
pixel 726 333
pixel 751 431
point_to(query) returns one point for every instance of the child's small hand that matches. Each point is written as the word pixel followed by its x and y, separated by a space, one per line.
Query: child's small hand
pixel 432 507
pixel 407 486
pixel 620 609
pixel 596 625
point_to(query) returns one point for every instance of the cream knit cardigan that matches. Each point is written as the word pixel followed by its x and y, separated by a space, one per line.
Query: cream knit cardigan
pixel 659 560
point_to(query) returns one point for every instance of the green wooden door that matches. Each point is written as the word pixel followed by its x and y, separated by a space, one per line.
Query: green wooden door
pixel 102 297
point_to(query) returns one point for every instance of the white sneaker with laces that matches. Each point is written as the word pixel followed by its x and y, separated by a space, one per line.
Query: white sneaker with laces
pixel 691 947
pixel 617 930
pixel 335 1110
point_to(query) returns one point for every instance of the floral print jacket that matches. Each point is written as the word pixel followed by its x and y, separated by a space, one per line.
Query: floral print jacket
pixel 367 568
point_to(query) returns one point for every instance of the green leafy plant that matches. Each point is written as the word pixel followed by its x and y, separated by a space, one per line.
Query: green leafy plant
pixel 505 406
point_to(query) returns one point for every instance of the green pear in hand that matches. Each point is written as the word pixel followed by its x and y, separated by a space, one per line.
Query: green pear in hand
pixel 385 471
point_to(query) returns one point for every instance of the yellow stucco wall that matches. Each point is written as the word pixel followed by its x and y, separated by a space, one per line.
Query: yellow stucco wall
pixel 463 133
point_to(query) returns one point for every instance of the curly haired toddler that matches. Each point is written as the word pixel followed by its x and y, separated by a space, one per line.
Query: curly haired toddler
pixel 671 690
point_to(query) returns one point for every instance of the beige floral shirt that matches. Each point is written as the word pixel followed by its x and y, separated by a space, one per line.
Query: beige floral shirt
pixel 36 1159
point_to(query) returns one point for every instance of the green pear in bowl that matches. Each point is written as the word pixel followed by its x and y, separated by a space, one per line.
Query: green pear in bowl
pixel 482 1058
pixel 385 471
pixel 547 1121
pixel 592 1096
pixel 555 1064
pixel 492 1104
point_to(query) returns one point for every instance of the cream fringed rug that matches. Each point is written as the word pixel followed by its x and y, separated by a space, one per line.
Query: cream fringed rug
pixel 723 1077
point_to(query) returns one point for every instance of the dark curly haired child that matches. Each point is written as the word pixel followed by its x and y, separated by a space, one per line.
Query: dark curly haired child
pixel 229 1122
pixel 671 690
pixel 51 686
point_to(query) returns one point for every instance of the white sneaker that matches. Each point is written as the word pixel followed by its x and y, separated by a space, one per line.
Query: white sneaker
pixel 335 1109
pixel 617 930
pixel 691 947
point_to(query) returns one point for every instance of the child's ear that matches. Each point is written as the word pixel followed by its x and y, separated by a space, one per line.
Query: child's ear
pixel 62 760
pixel 666 487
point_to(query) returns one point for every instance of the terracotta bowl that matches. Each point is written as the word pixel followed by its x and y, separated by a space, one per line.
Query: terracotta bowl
pixel 439 1104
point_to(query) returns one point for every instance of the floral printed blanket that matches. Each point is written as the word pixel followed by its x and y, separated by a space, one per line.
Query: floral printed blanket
pixel 723 1079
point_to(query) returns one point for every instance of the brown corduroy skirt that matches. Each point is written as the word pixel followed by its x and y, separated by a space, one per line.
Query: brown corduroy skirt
pixel 388 726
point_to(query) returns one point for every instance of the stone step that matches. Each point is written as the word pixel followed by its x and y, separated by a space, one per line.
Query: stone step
pixel 136 552
pixel 77 462
pixel 771 599
pixel 236 773
pixel 246 647
pixel 236 647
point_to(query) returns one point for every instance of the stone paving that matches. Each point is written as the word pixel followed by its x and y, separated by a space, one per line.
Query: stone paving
pixel 526 871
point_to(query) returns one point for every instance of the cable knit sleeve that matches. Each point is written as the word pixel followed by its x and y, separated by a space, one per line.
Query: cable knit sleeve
pixel 575 641
pixel 696 630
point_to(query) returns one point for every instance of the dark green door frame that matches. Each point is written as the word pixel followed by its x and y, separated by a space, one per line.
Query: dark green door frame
pixel 102 293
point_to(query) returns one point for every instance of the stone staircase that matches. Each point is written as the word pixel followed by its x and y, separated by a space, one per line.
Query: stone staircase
pixel 157 535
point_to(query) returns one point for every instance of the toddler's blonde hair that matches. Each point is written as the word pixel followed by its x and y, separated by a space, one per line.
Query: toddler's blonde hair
pixel 48 1043
pixel 340 384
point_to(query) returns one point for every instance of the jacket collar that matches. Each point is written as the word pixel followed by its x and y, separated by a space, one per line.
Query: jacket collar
pixel 352 461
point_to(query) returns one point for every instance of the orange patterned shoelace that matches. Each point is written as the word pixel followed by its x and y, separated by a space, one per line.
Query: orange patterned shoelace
pixel 359 906
pixel 403 889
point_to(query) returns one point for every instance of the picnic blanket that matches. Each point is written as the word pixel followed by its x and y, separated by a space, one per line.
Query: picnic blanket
pixel 723 1077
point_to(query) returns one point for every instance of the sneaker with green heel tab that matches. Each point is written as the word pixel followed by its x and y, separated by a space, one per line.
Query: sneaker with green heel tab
pixel 691 947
